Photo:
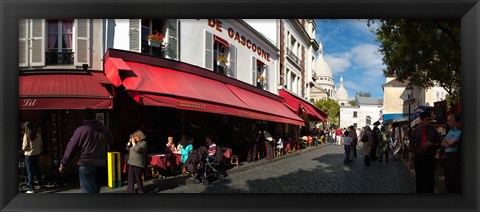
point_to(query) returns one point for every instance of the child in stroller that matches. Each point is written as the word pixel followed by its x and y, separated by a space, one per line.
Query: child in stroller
pixel 213 159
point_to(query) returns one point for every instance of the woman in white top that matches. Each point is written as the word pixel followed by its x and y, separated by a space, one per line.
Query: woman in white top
pixel 32 147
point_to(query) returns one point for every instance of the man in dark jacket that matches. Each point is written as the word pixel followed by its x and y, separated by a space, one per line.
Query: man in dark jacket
pixel 90 141
pixel 424 142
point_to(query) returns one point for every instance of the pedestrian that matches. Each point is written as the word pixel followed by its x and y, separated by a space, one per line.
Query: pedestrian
pixel 366 137
pixel 32 147
pixel 90 141
pixel 376 140
pixel 422 148
pixel 383 149
pixel 137 151
pixel 347 141
pixel 353 147
pixel 452 160
pixel 338 136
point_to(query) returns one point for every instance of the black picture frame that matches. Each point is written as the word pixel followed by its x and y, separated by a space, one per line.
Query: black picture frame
pixel 12 11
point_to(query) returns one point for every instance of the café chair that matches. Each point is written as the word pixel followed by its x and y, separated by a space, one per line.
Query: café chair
pixel 234 160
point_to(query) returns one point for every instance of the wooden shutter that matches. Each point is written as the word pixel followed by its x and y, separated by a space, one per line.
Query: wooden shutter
pixel 134 34
pixel 82 41
pixel 208 50
pixel 172 45
pixel 254 71
pixel 23 43
pixel 37 34
pixel 267 74
pixel 232 68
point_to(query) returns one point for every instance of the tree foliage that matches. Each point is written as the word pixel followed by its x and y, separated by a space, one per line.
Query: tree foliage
pixel 331 107
pixel 352 102
pixel 422 51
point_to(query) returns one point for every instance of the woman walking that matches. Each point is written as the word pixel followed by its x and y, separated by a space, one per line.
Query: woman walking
pixel 32 147
pixel 367 141
pixel 137 148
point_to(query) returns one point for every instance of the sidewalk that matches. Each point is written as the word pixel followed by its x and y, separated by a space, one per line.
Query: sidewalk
pixel 153 185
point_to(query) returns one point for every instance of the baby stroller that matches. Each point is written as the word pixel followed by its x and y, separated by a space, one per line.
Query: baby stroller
pixel 212 168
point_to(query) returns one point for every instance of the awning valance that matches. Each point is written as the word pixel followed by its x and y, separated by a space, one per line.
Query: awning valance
pixel 299 106
pixel 64 91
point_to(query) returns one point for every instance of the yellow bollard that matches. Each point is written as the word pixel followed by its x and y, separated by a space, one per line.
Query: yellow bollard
pixel 114 163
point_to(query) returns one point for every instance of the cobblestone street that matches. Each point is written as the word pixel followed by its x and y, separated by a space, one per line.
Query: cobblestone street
pixel 318 171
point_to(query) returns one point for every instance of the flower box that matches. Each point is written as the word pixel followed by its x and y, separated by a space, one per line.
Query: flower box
pixel 154 43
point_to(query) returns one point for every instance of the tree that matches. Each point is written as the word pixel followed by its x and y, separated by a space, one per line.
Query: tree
pixel 331 107
pixel 422 51
pixel 363 94
pixel 352 102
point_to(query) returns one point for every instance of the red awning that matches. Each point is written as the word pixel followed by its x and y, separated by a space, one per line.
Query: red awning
pixel 63 91
pixel 299 105
pixel 222 41
pixel 158 86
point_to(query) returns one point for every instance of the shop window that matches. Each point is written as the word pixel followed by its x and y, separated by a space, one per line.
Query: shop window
pixel 259 74
pixel 54 42
pixel 220 55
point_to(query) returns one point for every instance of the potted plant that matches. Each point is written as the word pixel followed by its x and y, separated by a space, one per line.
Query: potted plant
pixel 222 60
pixel 155 40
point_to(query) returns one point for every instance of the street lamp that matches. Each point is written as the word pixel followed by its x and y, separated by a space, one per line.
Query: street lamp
pixel 409 90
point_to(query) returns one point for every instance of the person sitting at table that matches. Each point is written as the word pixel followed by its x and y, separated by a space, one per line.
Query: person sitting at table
pixel 137 151
pixel 182 142
pixel 170 146
pixel 186 149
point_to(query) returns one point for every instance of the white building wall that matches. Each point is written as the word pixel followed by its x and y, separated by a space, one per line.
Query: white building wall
pixel 347 119
pixel 192 48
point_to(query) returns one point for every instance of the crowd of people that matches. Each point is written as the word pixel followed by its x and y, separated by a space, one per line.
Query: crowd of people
pixel 90 142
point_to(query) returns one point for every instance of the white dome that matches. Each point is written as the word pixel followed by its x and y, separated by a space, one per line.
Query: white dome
pixel 322 67
pixel 341 94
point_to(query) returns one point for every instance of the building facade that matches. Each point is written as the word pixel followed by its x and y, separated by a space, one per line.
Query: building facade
pixel 368 111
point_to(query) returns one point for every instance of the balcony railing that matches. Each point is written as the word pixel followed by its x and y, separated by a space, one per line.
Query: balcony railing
pixel 293 57
pixel 59 58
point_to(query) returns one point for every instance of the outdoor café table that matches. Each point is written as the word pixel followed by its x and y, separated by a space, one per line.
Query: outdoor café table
pixel 163 161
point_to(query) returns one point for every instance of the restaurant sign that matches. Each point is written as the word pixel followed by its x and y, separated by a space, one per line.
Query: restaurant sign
pixel 29 103
pixel 241 39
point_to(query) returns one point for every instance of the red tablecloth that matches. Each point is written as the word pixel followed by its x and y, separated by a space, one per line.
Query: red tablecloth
pixel 164 161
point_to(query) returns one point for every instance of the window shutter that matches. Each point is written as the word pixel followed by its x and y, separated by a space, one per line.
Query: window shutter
pixel 37 33
pixel 82 41
pixel 232 69
pixel 134 34
pixel 23 43
pixel 208 50
pixel 267 74
pixel 254 71
pixel 172 45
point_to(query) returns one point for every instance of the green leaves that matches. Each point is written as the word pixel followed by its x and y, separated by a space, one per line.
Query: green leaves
pixel 331 107
pixel 423 51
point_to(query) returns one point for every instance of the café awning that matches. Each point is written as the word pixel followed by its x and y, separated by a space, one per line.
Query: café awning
pixel 300 106
pixel 64 91
pixel 158 86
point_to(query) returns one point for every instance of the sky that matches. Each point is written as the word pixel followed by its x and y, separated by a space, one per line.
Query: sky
pixel 350 48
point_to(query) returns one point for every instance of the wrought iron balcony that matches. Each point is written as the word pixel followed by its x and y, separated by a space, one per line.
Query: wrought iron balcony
pixel 293 57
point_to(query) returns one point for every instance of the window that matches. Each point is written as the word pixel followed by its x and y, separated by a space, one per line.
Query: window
pixel 151 26
pixel 220 55
pixel 355 114
pixel 343 104
pixel 59 42
pixel 369 120
pixel 355 125
pixel 54 42
pixel 259 74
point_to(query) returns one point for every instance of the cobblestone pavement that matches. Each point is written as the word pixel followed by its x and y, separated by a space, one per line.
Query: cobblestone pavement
pixel 318 171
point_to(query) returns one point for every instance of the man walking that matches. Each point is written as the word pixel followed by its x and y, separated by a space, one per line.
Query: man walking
pixel 422 148
pixel 90 141
pixel 452 159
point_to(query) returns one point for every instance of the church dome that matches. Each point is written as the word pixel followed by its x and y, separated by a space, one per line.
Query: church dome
pixel 341 94
pixel 322 67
